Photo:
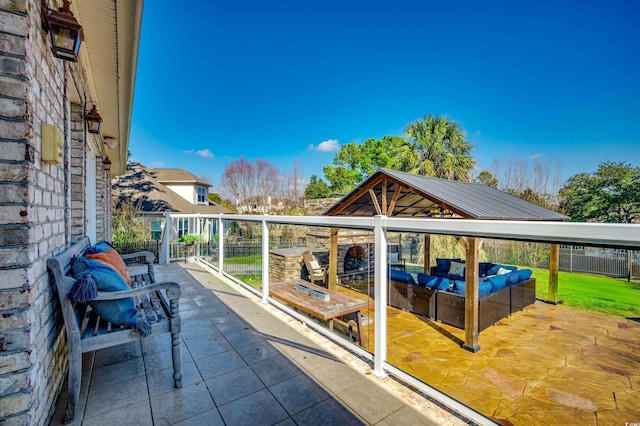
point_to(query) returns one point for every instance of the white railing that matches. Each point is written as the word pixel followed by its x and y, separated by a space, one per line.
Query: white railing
pixel 624 236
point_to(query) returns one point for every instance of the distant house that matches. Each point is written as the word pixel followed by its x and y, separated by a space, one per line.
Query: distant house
pixel 159 191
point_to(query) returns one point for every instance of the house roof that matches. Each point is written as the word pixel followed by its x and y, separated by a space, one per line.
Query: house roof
pixel 179 176
pixel 404 194
pixel 143 187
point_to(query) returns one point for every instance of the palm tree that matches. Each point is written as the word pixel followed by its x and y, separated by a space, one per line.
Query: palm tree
pixel 437 147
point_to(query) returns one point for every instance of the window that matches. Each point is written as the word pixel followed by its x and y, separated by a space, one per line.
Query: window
pixel 183 227
pixel 156 229
pixel 202 195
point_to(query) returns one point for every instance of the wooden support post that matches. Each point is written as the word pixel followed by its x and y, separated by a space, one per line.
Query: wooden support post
pixel 554 265
pixel 427 253
pixel 333 260
pixel 471 302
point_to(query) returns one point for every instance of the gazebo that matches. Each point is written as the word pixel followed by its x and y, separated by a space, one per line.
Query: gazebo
pixel 398 194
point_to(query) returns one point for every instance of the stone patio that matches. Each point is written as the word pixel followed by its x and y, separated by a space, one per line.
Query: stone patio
pixel 244 363
pixel 546 365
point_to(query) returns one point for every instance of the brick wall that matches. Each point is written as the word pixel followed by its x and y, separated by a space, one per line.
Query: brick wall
pixel 38 216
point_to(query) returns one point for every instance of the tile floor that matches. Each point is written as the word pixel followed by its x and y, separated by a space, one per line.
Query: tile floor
pixel 244 363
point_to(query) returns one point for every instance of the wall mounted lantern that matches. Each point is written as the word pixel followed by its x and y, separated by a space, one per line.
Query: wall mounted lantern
pixel 65 32
pixel 106 163
pixel 94 121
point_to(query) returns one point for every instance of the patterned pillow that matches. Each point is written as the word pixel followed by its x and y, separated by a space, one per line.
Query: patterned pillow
pixel 456 268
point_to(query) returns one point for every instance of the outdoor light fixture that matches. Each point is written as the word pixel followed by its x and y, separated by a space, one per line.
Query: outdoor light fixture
pixel 94 121
pixel 106 163
pixel 439 211
pixel 65 32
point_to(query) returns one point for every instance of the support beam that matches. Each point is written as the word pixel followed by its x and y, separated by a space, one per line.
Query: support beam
pixel 471 302
pixel 384 197
pixel 375 202
pixel 554 265
pixel 394 200
pixel 427 253
pixel 333 260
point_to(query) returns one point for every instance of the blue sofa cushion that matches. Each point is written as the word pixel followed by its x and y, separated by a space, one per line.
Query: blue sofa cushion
pixel 402 276
pixel 443 264
pixel 497 281
pixel 512 278
pixel 524 274
pixel 425 280
pixel 441 284
pixel 484 288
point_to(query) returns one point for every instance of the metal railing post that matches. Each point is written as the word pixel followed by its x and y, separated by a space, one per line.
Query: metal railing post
pixel 265 260
pixel 220 244
pixel 380 296
pixel 166 240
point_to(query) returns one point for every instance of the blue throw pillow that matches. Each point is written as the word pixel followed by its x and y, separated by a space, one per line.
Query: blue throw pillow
pixel 512 278
pixel 98 276
pixel 524 274
pixel 498 282
pixel 483 267
pixel 441 284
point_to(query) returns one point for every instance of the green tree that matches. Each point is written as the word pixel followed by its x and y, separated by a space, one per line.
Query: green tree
pixel 487 178
pixel 437 147
pixel 317 188
pixel 611 194
pixel 353 163
pixel 216 198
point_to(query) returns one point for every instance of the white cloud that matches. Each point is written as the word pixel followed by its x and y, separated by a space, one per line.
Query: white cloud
pixel 157 164
pixel 187 151
pixel 327 146
pixel 534 157
pixel 205 153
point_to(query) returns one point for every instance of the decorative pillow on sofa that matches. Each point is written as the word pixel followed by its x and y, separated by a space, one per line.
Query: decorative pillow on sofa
pixel 93 276
pixel 456 268
pixel 497 281
pixel 503 271
pixel 524 274
pixel 483 267
pixel 393 257
pixel 105 253
pixel 443 265
pixel 495 268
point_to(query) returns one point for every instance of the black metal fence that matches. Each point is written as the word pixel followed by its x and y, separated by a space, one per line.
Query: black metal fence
pixel 125 248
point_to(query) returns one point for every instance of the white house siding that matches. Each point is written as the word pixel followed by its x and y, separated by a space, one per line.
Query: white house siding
pixel 41 210
pixel 188 192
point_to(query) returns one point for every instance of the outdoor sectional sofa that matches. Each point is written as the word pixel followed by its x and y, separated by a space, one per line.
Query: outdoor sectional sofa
pixel 441 295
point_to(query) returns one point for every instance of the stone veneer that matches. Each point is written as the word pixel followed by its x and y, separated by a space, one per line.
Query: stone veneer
pixel 42 209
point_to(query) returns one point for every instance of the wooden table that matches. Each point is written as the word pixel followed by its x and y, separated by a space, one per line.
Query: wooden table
pixel 337 305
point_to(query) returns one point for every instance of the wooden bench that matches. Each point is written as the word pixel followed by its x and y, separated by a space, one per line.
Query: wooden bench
pixel 87 332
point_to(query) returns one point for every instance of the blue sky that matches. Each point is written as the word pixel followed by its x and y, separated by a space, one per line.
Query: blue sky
pixel 287 80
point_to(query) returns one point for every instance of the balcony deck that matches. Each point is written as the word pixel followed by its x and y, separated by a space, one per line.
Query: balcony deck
pixel 244 363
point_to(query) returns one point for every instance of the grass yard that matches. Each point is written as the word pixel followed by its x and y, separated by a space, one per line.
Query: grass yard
pixel 594 292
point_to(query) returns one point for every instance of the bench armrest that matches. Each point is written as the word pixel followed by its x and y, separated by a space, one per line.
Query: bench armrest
pixel 172 287
pixel 149 258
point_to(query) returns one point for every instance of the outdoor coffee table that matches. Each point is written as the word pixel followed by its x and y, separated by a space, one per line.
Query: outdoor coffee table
pixel 337 305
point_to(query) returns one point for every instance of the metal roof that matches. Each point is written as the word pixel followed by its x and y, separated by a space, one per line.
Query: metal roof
pixel 422 196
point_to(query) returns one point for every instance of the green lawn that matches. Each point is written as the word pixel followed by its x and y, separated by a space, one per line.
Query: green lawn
pixel 254 259
pixel 594 292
